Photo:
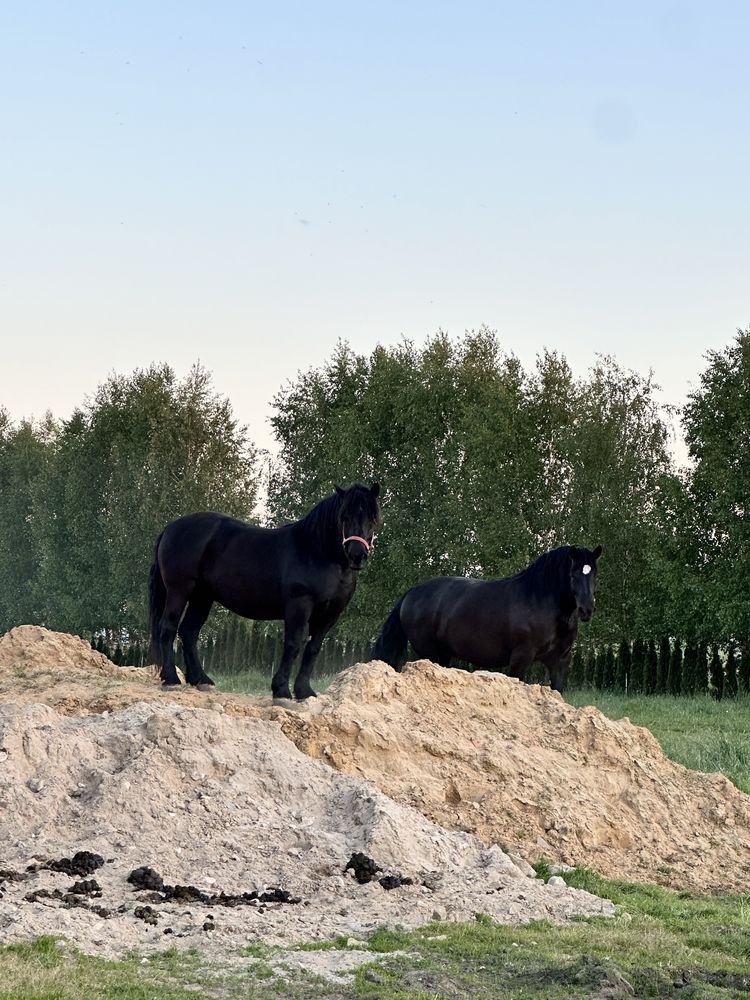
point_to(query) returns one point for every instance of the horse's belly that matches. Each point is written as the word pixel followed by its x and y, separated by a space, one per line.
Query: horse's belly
pixel 259 606
pixel 480 646
pixel 258 612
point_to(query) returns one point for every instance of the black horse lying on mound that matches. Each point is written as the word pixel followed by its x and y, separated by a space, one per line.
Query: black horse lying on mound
pixel 304 573
pixel 508 623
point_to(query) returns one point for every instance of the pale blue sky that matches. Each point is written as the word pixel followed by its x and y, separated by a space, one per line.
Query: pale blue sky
pixel 246 183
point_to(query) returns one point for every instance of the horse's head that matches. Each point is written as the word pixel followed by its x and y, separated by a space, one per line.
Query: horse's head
pixel 583 571
pixel 359 517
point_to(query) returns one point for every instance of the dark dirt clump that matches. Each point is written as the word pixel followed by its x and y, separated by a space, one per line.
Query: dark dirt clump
pixel 366 870
pixel 147 914
pixel 89 887
pixel 8 875
pixel 394 881
pixel 82 863
pixel 68 899
pixel 147 878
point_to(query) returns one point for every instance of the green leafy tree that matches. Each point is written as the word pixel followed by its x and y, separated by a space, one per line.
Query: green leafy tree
pixel 701 669
pixel 576 674
pixel 25 450
pixel 690 668
pixel 600 668
pixel 651 669
pixel 619 458
pixel 623 675
pixel 590 674
pixel 716 420
pixel 609 678
pixel 743 672
pixel 146 449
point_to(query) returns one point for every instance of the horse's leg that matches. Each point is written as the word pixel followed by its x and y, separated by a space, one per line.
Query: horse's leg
pixel 295 622
pixel 170 619
pixel 437 652
pixel 558 672
pixel 318 631
pixel 520 660
pixel 195 618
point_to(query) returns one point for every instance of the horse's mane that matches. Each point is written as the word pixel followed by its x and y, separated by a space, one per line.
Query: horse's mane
pixel 549 572
pixel 321 524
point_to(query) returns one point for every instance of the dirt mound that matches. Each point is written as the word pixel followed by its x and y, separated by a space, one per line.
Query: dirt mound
pixel 64 672
pixel 34 647
pixel 481 753
pixel 223 807
pixel 515 765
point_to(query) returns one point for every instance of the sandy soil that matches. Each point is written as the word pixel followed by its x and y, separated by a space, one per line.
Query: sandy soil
pixel 225 804
pixel 427 771
pixel 515 765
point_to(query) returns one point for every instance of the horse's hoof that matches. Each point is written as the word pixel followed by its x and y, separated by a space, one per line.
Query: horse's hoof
pixel 302 695
pixel 172 686
pixel 282 695
pixel 205 686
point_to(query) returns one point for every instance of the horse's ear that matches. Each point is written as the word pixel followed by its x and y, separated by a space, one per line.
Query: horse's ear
pixel 375 489
pixel 573 552
pixel 339 491
pixel 597 552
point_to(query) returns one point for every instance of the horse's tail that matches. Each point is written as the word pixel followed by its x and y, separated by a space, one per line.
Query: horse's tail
pixel 391 644
pixel 157 598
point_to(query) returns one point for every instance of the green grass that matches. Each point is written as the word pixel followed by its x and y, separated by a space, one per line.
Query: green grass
pixel 699 732
pixel 257 682
pixel 47 970
pixel 664 944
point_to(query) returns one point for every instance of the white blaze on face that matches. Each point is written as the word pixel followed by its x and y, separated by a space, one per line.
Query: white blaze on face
pixel 586 570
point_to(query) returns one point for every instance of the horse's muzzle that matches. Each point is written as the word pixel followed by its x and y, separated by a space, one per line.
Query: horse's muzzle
pixel 357 550
pixel 357 554
pixel 585 614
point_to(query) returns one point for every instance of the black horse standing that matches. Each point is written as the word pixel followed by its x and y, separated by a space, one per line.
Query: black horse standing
pixel 304 573
pixel 493 624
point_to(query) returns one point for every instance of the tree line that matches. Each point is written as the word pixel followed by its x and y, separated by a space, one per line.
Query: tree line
pixel 484 465
pixel 666 666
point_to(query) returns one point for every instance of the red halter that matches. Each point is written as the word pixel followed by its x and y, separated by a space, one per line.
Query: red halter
pixel 358 538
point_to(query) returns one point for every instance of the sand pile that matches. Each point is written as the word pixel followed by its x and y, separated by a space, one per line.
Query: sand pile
pixel 229 804
pixel 63 671
pixel 515 765
pixel 481 753
pixel 36 648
